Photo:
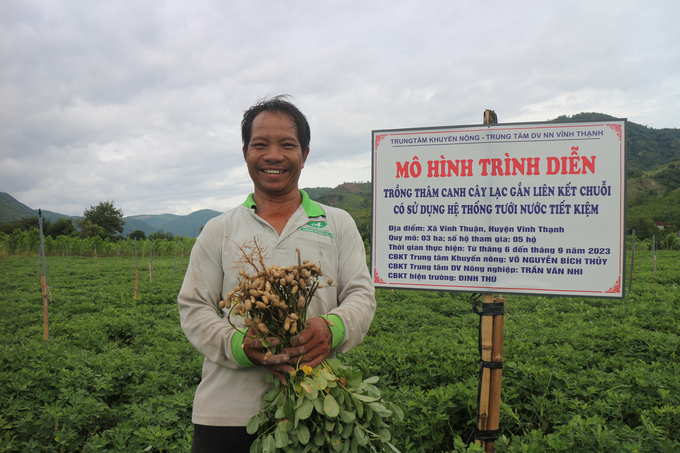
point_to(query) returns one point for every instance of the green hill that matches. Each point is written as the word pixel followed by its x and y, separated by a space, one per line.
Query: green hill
pixel 646 147
pixel 11 209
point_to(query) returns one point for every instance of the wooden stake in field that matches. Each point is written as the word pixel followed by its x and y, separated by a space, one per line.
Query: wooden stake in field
pixel 136 270
pixel 174 267
pixel 654 255
pixel 43 281
pixel 181 257
pixel 95 256
pixel 151 261
pixel 491 365
pixel 632 261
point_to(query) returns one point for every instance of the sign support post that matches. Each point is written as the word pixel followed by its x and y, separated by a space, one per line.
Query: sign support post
pixel 491 349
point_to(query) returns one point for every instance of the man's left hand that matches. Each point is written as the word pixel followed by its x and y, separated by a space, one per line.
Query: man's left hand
pixel 311 346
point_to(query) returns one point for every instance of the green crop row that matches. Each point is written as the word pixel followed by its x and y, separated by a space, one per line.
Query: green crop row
pixel 117 374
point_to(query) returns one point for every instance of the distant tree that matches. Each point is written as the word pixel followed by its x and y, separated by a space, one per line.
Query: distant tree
pixel 161 235
pixel 138 234
pixel 89 229
pixel 25 224
pixel 105 216
pixel 644 227
pixel 62 227
pixel 672 241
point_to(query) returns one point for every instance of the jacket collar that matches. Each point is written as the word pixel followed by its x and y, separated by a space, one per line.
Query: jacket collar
pixel 311 207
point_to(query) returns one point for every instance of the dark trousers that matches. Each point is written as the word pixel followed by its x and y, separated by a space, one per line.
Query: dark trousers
pixel 221 439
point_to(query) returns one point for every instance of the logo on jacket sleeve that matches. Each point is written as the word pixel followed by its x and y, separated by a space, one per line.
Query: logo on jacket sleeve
pixel 317 227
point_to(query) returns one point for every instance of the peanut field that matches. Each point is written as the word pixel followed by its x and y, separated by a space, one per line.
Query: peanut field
pixel 118 375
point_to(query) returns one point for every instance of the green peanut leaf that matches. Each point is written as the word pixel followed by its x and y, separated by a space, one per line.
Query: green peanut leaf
pixel 254 423
pixel 305 410
pixel 269 444
pixel 319 439
pixel 346 416
pixel 380 409
pixel 320 382
pixel 336 442
pixel 318 405
pixel 281 437
pixel 360 436
pixel 372 380
pixel 364 398
pixel 303 434
pixel 327 376
pixel 347 431
pixel 286 425
pixel 330 406
pixel 355 379
pixel 360 408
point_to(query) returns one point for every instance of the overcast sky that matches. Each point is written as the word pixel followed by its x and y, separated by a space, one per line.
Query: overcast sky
pixel 140 102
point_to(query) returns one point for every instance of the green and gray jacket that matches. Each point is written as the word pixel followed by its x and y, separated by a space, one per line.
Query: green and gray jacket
pixel 232 389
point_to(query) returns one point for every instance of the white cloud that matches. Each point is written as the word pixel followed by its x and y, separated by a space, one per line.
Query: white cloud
pixel 141 103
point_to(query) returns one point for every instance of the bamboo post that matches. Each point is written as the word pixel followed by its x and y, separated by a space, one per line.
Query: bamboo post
pixel 95 256
pixel 486 341
pixel 491 351
pixel 493 420
pixel 68 264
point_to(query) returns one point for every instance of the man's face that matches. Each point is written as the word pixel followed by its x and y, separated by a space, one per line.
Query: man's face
pixel 274 156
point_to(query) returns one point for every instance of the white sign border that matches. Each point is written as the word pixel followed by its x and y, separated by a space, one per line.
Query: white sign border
pixel 617 291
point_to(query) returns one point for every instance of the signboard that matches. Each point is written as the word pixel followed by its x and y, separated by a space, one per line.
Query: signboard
pixel 535 208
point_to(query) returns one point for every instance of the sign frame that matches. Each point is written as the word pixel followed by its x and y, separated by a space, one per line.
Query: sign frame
pixel 500 147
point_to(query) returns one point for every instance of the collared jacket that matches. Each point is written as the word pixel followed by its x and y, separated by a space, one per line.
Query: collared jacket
pixel 232 389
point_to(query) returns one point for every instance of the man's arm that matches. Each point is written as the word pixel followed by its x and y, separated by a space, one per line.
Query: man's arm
pixel 356 303
pixel 198 301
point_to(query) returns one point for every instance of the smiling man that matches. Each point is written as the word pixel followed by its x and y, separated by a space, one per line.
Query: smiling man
pixel 276 138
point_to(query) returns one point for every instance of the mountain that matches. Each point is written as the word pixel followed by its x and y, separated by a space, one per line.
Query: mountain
pixel 646 147
pixel 12 210
pixel 182 225
pixel 353 197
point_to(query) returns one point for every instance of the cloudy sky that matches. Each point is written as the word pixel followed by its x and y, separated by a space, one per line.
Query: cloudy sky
pixel 141 102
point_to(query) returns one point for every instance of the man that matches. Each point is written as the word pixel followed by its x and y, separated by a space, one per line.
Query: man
pixel 276 139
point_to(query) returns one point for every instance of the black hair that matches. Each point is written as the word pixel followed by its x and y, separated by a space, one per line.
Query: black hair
pixel 277 104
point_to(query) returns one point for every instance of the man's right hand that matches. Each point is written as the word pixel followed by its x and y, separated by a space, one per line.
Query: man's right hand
pixel 277 364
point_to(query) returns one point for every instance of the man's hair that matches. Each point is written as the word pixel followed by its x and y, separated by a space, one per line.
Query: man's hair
pixel 277 104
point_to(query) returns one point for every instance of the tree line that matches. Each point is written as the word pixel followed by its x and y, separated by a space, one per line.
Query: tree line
pixel 99 230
